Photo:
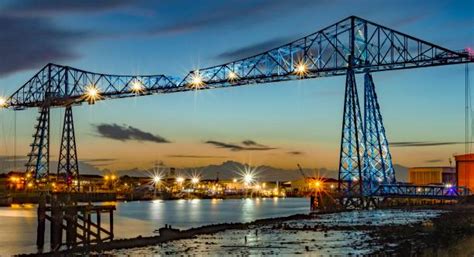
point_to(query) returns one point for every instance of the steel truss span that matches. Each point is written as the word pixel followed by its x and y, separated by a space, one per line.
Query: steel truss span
pixel 350 46
pixel 373 48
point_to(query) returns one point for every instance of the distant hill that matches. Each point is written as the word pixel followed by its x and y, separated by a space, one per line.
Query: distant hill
pixel 230 169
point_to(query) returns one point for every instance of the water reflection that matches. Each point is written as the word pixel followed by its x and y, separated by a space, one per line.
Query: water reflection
pixel 143 217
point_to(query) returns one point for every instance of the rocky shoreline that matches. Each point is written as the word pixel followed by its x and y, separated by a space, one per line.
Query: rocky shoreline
pixel 425 238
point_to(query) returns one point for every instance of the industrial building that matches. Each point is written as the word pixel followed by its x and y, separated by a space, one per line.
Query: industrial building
pixel 465 170
pixel 432 175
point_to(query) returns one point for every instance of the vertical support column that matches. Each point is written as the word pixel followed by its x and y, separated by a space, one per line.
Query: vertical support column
pixel 352 147
pixel 38 161
pixel 378 165
pixel 68 153
pixel 41 221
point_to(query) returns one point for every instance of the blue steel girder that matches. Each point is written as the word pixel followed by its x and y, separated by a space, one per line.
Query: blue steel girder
pixel 440 192
pixel 326 53
pixel 351 168
pixel 57 85
pixel 373 47
pixel 377 158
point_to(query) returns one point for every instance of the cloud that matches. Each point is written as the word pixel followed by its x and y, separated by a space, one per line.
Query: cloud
pixel 223 13
pixel 434 161
pixel 422 144
pixel 247 145
pixel 125 133
pixel 254 49
pixel 53 7
pixel 295 153
pixel 195 156
pixel 27 43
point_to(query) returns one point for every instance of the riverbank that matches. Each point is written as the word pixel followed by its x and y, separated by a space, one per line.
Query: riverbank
pixel 399 232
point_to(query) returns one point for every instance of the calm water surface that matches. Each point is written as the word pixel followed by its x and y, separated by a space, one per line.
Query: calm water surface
pixel 18 223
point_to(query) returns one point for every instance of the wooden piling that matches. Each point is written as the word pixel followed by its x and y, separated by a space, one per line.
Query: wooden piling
pixel 41 221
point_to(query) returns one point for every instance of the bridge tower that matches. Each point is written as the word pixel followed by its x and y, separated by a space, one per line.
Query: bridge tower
pixel 68 153
pixel 377 158
pixel 352 147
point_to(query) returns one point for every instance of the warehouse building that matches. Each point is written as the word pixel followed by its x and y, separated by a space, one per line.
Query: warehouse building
pixel 432 175
pixel 465 170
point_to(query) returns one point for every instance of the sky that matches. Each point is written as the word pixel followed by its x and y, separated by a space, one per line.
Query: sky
pixel 279 124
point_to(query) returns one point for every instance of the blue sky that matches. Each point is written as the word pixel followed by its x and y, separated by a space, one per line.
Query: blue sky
pixel 301 119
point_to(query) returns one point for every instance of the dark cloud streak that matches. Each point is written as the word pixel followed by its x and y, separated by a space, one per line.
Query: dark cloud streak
pixel 422 144
pixel 247 145
pixel 126 133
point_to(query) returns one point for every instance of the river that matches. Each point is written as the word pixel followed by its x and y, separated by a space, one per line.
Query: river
pixel 18 223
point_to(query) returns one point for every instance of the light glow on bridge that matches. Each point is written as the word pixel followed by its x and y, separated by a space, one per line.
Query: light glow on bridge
pixel 301 69
pixel 92 94
pixel 232 76
pixel 137 86
pixel 196 80
pixel 3 101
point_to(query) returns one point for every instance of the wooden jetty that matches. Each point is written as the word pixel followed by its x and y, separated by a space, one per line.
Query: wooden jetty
pixel 81 223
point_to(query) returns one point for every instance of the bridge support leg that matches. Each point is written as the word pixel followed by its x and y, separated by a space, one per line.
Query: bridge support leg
pixel 378 165
pixel 67 163
pixel 38 161
pixel 352 148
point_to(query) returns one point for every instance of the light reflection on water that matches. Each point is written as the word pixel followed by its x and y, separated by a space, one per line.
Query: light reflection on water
pixel 18 223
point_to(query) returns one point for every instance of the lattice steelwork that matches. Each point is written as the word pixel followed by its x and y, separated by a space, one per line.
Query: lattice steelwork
pixel 413 191
pixel 38 161
pixel 351 167
pixel 353 45
pixel 68 163
pixel 377 158
pixel 69 85
pixel 324 53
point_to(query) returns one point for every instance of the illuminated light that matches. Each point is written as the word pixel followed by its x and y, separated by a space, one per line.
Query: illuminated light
pixel 301 69
pixel 234 180
pixel 248 175
pixel 28 175
pixel 196 80
pixel 156 179
pixel 30 185
pixel 317 184
pixel 180 180
pixel 3 102
pixel 92 94
pixel 232 76
pixel 137 86
pixel 113 177
pixel 331 186
pixel 195 180
pixel 448 185
pixel 248 179
pixel 53 184
pixel 106 177
pixel 355 179
pixel 418 189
